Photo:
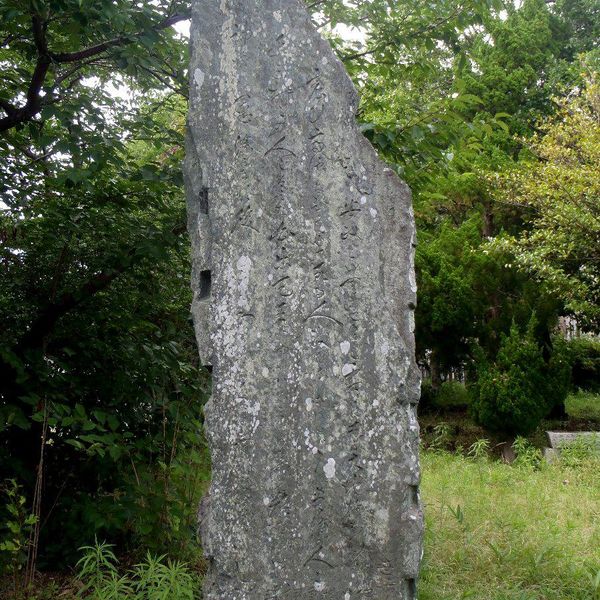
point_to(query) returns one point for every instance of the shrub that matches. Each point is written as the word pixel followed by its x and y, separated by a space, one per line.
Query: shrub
pixel 585 359
pixel 125 458
pixel 16 526
pixel 527 455
pixel 516 391
pixel 442 436
pixel 558 377
pixel 452 394
pixel 427 395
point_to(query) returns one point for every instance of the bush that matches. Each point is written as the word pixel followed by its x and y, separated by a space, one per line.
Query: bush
pixel 516 391
pixel 452 394
pixel 125 457
pixel 427 396
pixel 585 359
pixel 16 526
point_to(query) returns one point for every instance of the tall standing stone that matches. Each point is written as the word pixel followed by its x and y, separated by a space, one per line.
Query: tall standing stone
pixel 304 292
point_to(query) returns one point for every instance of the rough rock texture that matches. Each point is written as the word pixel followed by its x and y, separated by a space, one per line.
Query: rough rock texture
pixel 304 295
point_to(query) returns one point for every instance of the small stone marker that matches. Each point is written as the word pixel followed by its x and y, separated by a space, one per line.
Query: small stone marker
pixel 304 292
pixel 560 439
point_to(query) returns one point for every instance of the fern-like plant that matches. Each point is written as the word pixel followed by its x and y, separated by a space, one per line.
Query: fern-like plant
pixel 152 579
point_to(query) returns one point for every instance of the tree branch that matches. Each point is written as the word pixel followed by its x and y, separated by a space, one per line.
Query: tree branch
pixel 39 34
pixel 33 105
pixel 14 115
pixel 59 79
pixel 69 57
pixel 45 321
pixel 166 83
pixel 414 34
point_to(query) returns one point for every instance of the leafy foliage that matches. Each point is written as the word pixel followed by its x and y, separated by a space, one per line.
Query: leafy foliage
pixel 409 64
pixel 585 360
pixel 17 525
pixel 100 387
pixel 469 296
pixel 453 394
pixel 151 579
pixel 559 185
pixel 515 392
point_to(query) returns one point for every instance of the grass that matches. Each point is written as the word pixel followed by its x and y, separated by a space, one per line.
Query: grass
pixel 493 532
pixel 584 405
pixel 506 532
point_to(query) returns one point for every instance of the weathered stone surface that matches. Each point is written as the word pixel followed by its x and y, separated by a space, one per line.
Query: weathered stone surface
pixel 304 293
pixel 560 439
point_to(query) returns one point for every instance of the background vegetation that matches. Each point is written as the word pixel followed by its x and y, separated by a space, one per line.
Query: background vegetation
pixel 526 531
pixel 491 112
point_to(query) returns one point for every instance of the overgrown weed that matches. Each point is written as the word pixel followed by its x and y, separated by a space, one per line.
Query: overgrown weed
pixel 510 532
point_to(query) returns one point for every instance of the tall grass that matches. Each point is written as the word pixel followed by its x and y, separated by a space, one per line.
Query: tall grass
pixel 506 532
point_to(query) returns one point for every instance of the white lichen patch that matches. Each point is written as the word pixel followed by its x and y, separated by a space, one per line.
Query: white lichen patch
pixel 329 468
pixel 244 264
pixel 347 369
pixel 252 408
pixel 199 78
pixel 382 522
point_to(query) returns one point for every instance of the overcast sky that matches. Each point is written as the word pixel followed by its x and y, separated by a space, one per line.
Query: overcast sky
pixel 346 32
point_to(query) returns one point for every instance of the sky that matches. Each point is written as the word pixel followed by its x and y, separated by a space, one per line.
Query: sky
pixel 348 33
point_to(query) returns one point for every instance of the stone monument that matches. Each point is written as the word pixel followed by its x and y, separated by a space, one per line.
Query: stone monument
pixel 304 292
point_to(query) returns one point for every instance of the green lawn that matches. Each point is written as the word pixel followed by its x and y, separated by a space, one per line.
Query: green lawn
pixel 584 405
pixel 504 532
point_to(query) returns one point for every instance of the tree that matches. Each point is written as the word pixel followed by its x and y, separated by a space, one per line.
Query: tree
pixel 512 60
pixel 516 64
pixel 516 390
pixel 409 66
pixel 558 185
pixel 100 387
pixel 446 319
pixel 582 18
pixel 53 45
pixel 469 297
